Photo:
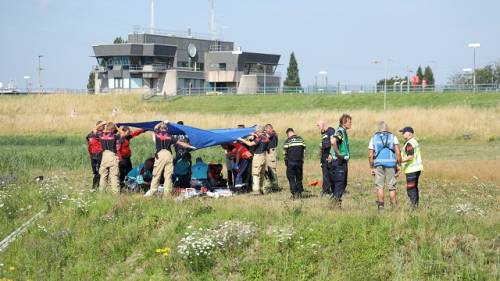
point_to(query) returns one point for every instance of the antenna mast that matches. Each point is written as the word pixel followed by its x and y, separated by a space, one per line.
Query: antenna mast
pixel 212 20
pixel 152 23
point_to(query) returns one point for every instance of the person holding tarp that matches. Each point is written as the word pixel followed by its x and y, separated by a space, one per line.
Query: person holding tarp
pixel 95 152
pixel 271 157
pixel 124 153
pixel 163 157
pixel 259 143
pixel 110 143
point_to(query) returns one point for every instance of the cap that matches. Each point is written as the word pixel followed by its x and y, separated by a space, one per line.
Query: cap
pixel 407 129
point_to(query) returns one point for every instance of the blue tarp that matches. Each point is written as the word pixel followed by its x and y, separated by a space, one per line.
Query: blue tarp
pixel 198 138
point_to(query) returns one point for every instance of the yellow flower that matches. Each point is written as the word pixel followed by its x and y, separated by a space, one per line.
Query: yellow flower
pixel 158 250
pixel 165 254
pixel 12 268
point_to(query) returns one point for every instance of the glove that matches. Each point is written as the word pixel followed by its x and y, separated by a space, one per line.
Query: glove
pixel 346 157
pixel 165 121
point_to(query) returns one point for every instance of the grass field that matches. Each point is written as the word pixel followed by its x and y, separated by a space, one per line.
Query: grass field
pixel 87 236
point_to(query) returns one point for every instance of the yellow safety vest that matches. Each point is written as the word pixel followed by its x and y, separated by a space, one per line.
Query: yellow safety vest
pixel 415 164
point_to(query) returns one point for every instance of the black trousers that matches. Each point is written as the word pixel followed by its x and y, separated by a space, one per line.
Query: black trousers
pixel 339 178
pixel 124 166
pixel 294 171
pixel 327 170
pixel 412 188
pixel 95 162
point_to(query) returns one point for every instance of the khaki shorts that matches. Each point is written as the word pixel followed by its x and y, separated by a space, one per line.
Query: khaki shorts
pixel 385 176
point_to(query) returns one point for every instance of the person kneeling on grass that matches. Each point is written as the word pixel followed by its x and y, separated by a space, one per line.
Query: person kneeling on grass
pixel 199 174
pixel 139 178
pixel 182 171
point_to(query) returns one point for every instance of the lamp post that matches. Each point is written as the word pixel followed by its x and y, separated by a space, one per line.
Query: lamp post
pixel 27 79
pixel 40 73
pixel 325 74
pixel 385 79
pixel 474 46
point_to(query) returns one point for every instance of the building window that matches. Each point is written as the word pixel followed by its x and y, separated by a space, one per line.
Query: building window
pixel 136 83
pixel 222 66
pixel 118 83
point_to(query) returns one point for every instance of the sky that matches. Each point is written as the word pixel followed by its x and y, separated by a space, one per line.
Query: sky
pixel 342 38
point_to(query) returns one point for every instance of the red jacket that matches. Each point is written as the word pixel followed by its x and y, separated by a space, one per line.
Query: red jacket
pixel 94 145
pixel 124 150
pixel 241 150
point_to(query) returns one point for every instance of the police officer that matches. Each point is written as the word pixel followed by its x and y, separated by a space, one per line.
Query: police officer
pixel 294 148
pixel 340 152
pixel 95 152
pixel 385 160
pixel 271 157
pixel 110 143
pixel 164 160
pixel 412 164
pixel 325 157
pixel 259 145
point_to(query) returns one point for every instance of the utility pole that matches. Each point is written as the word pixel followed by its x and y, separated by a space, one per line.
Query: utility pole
pixel 40 74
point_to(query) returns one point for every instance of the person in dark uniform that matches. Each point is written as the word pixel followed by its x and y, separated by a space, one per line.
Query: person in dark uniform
pixel 271 158
pixel 95 152
pixel 340 153
pixel 294 148
pixel 325 157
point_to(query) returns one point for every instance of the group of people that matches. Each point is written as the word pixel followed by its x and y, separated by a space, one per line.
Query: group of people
pixel 251 162
pixel 386 158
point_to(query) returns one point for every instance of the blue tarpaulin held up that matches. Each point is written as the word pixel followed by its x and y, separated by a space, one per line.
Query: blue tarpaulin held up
pixel 198 138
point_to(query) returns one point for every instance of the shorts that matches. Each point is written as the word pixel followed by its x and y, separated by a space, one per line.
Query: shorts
pixel 385 176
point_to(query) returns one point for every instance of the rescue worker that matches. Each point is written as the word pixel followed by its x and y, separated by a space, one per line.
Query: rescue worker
pixel 271 157
pixel 242 159
pixel 164 160
pixel 384 158
pixel 124 153
pixel 110 142
pixel 294 148
pixel 340 152
pixel 259 145
pixel 412 164
pixel 95 152
pixel 327 134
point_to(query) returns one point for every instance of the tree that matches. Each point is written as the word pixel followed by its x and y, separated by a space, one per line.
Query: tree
pixel 91 82
pixel 489 74
pixel 429 76
pixel 119 40
pixel 292 73
pixel 420 75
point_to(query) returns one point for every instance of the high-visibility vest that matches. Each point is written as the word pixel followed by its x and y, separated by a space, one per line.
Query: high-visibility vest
pixel 415 164
pixel 384 149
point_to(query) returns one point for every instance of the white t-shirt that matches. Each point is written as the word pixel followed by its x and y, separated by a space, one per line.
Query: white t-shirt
pixel 370 144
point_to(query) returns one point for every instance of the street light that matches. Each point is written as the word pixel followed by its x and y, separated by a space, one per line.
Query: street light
pixel 325 73
pixel 385 80
pixel 474 46
pixel 27 79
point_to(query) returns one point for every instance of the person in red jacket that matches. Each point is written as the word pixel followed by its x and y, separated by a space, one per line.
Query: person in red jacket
pixel 242 158
pixel 124 152
pixel 95 151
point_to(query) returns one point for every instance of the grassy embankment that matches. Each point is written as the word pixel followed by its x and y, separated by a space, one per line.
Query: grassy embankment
pixel 85 236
